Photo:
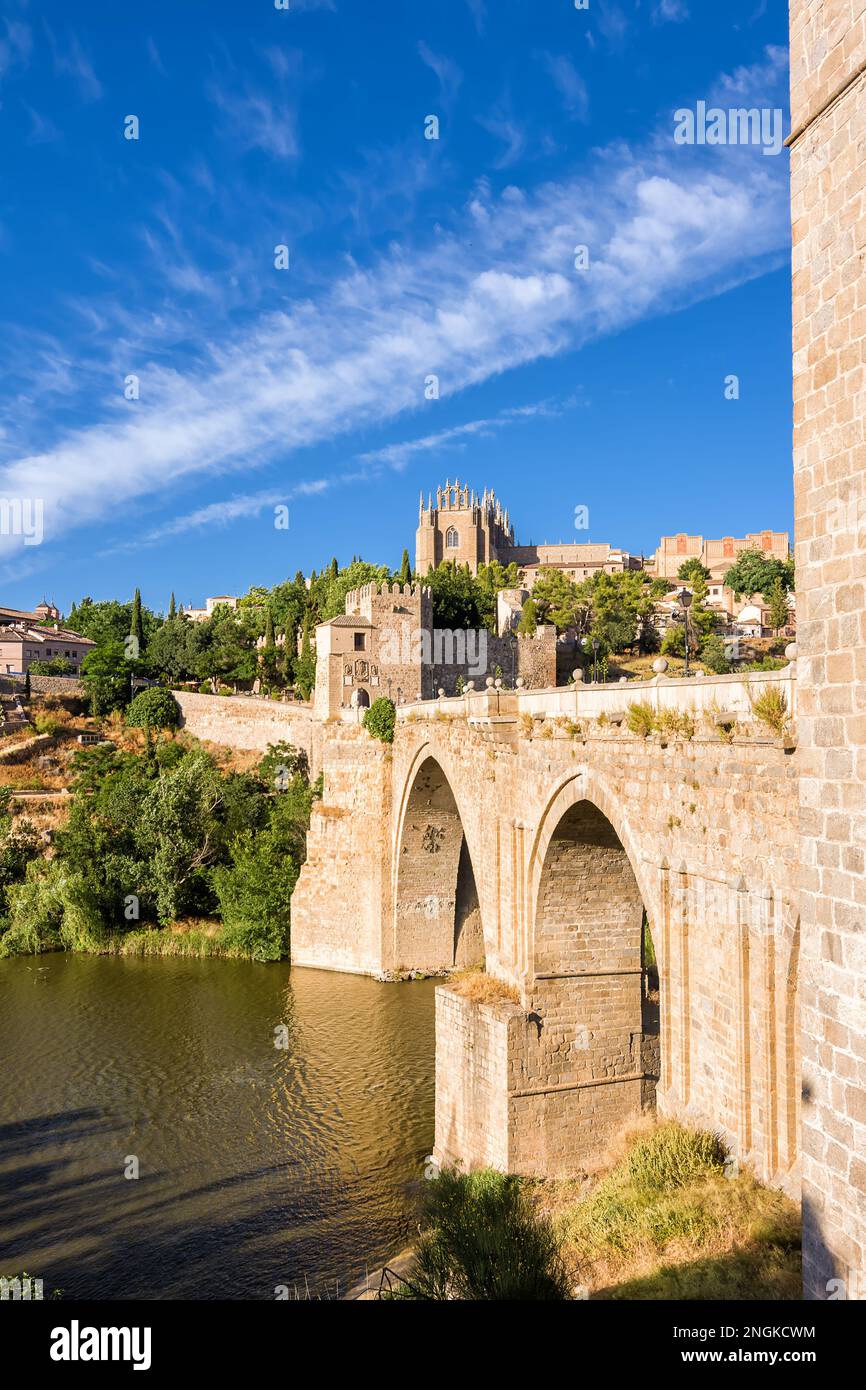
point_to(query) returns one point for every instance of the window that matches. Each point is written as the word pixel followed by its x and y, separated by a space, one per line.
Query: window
pixel 360 641
pixel 452 539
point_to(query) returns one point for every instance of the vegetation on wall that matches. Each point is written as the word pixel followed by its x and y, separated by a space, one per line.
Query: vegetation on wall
pixel 157 837
pixel 380 720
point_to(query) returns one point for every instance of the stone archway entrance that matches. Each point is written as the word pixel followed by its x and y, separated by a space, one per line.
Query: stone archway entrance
pixel 437 917
pixel 591 1058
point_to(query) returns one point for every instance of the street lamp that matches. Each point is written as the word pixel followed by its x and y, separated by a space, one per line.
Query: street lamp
pixel 595 645
pixel 686 603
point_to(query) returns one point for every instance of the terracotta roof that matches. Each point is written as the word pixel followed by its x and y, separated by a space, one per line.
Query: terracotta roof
pixel 345 620
pixel 36 633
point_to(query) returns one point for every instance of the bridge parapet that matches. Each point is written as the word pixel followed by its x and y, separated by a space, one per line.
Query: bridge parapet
pixel 710 694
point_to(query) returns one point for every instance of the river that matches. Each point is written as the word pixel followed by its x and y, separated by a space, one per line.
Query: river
pixel 258 1166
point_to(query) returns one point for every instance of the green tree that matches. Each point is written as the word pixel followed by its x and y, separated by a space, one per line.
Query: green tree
pixel 405 569
pixel 175 649
pixel 106 673
pixel 153 708
pixel 171 608
pixel 755 573
pixel 556 599
pixel 528 619
pixel 777 601
pixel 703 620
pixel 305 666
pixel 455 596
pixel 54 666
pixel 136 630
pixel 692 569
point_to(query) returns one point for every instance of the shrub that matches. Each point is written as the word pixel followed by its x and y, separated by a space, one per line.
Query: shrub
pixel 380 720
pixel 771 708
pixel 641 719
pixel 714 657
pixel 46 723
pixel 483 1240
pixel 153 708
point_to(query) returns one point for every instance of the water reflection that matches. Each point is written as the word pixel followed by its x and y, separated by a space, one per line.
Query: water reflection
pixel 259 1165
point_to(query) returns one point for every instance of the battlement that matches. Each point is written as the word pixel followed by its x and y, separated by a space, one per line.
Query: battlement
pixel 366 593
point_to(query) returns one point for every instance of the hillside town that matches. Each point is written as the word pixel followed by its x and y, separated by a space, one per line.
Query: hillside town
pixel 546 614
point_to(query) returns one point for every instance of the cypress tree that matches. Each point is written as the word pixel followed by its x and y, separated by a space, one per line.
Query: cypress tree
pixel 171 608
pixel 405 569
pixel 137 627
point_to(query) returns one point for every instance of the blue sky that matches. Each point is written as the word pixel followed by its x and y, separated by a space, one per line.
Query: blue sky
pixel 408 257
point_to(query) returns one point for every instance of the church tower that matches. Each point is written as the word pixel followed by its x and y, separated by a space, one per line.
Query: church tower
pixel 462 526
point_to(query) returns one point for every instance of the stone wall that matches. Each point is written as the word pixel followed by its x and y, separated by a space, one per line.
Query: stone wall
pixel 532 658
pixel 338 921
pixel 699 832
pixel 828 179
pixel 244 722
pixel 472 1081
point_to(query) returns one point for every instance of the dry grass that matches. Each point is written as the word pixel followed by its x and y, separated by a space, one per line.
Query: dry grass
pixel 664 1220
pixel 771 708
pixel 481 988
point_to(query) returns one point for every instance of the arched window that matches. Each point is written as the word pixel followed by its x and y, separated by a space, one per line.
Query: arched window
pixel 452 539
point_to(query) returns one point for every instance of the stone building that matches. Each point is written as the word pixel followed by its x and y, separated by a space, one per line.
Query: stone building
pixel 716 556
pixel 473 530
pixel 385 644
pixel 23 643
pixel 828 184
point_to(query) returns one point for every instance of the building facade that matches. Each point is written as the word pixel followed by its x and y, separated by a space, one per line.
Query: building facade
pixel 22 643
pixel 475 529
pixel 716 555
pixel 385 644
pixel 828 187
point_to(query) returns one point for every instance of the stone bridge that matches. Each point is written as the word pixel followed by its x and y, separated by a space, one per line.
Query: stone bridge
pixel 536 832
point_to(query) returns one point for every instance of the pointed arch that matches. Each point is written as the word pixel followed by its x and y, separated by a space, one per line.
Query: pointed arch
pixel 437 920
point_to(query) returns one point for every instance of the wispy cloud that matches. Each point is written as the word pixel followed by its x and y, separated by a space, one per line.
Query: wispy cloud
pixel 501 123
pixel 478 10
pixel 493 289
pixel 71 60
pixel 568 83
pixel 670 11
pixel 154 56
pixel 15 47
pixel 448 73
pixel 42 130
pixel 398 455
pixel 255 121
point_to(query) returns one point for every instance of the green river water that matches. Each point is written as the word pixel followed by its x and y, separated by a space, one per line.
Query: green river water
pixel 258 1166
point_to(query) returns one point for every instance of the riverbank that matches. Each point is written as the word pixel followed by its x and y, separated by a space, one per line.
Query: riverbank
pixel 666 1215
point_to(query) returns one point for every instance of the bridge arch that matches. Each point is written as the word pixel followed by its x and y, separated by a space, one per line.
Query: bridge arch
pixel 437 912
pixel 595 1001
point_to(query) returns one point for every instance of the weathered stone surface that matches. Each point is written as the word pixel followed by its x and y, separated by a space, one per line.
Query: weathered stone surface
pixel 560 840
pixel 828 184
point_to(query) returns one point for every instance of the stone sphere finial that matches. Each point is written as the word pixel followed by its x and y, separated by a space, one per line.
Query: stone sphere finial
pixel 469 686
pixel 520 682
pixel 441 693
pixel 498 682
pixel 660 665
pixel 577 675
pixel 489 682
pixel 791 651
